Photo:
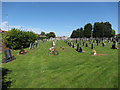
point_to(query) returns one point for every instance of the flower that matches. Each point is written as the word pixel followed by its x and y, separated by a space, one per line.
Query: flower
pixel 25 51
pixel 93 51
pixel 21 52
pixel 4 57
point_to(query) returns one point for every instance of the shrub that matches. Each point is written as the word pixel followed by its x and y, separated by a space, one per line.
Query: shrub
pixel 14 38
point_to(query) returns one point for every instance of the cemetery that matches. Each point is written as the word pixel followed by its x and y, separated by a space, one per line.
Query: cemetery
pixel 69 63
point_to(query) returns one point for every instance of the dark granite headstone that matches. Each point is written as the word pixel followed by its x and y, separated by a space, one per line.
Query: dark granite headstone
pixel 113 46
pixel 73 45
pixel 92 46
pixel 86 45
pixel 103 44
pixel 77 47
pixel 83 43
pixel 8 56
pixel 80 50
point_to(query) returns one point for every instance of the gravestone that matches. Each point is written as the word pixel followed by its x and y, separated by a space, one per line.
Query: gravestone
pixel 117 39
pixel 77 47
pixel 70 44
pixel 30 46
pixel 73 45
pixel 33 46
pixel 113 46
pixel 8 56
pixel 97 44
pixel 86 45
pixel 92 46
pixel 80 50
pixel 103 44
pixel 83 43
pixel 76 40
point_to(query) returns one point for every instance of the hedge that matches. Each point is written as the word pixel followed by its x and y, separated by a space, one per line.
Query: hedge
pixel 14 38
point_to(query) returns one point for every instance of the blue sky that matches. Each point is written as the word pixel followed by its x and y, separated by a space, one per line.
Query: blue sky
pixel 60 17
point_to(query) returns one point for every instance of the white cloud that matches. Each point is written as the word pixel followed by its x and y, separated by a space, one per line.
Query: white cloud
pixel 3 24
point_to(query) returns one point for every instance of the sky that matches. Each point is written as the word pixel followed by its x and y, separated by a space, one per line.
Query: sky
pixel 59 17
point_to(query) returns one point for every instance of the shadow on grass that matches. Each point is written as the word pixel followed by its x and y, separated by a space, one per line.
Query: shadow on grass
pixel 5 83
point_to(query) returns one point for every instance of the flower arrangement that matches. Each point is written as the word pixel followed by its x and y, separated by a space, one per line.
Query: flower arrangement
pixel 55 52
pixel 93 52
pixel 22 52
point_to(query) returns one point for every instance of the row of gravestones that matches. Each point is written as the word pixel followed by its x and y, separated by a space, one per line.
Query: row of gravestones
pixel 79 49
pixel 32 45
pixel 82 42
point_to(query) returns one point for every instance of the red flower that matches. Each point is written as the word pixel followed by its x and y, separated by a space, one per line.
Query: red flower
pixel 4 57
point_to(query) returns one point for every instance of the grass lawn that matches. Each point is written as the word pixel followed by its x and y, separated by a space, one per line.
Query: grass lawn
pixel 69 69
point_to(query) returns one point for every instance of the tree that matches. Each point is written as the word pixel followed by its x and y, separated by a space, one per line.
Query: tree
pixel 99 30
pixel 88 30
pixel 15 38
pixel 108 29
pixel 81 33
pixel 78 33
pixel 113 33
pixel 42 33
pixel 73 35
pixel 51 34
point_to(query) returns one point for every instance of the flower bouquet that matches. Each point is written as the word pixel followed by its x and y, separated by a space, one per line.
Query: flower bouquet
pixel 22 51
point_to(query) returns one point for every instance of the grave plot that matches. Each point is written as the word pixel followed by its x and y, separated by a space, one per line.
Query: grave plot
pixel 8 56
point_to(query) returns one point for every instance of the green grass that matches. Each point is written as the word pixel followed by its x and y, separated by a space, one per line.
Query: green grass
pixel 69 69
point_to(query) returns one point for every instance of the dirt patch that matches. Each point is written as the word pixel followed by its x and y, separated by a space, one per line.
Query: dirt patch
pixel 99 55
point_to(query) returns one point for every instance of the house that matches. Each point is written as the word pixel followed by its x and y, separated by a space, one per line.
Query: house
pixel 1 31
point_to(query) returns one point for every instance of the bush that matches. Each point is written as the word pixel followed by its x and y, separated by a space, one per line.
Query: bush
pixel 14 38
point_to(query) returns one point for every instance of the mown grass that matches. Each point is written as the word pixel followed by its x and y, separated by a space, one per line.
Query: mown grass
pixel 69 69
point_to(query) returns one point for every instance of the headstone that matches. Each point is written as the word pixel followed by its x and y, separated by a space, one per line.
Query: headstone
pixel 30 46
pixel 113 46
pixel 8 56
pixel 97 44
pixel 76 40
pixel 77 47
pixel 83 43
pixel 80 50
pixel 73 45
pixel 70 44
pixel 103 44
pixel 92 46
pixel 86 45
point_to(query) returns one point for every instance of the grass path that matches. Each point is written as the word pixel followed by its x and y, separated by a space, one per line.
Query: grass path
pixel 69 69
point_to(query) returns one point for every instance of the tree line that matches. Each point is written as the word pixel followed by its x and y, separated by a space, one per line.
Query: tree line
pixel 99 30
pixel 47 35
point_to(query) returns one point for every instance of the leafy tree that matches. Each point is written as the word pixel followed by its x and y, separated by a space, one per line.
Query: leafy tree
pixel 51 34
pixel 87 30
pixel 108 29
pixel 15 38
pixel 42 33
pixel 113 33
pixel 81 33
pixel 78 33
pixel 73 35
